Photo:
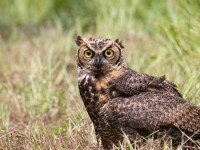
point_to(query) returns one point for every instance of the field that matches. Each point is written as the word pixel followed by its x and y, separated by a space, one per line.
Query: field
pixel 39 98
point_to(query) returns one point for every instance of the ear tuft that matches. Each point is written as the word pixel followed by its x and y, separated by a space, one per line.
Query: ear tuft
pixel 119 42
pixel 79 40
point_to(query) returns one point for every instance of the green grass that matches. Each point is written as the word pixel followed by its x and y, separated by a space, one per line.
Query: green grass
pixel 39 98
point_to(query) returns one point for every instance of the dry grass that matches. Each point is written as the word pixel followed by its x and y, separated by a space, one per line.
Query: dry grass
pixel 40 103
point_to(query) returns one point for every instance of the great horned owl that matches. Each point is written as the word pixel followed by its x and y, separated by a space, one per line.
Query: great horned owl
pixel 120 100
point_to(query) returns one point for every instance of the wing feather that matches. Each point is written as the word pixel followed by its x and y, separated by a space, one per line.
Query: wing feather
pixel 132 82
pixel 153 110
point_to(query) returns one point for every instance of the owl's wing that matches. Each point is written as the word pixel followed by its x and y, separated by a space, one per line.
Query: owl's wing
pixel 153 110
pixel 132 82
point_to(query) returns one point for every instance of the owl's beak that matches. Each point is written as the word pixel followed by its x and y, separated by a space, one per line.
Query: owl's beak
pixel 98 61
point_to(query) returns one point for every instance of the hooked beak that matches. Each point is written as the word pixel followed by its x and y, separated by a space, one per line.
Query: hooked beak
pixel 98 61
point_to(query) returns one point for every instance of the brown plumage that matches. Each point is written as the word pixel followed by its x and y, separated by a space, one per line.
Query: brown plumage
pixel 120 100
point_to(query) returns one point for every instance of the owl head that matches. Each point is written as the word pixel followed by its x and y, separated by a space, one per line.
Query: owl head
pixel 99 56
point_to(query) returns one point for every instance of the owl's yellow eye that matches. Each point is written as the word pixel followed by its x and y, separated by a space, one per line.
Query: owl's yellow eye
pixel 109 53
pixel 88 54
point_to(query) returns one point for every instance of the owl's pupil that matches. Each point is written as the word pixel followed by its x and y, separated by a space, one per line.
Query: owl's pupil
pixel 88 53
pixel 108 53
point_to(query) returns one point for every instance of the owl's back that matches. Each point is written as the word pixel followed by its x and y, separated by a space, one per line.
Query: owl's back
pixel 154 110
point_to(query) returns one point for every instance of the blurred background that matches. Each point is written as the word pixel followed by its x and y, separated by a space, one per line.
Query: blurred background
pixel 39 99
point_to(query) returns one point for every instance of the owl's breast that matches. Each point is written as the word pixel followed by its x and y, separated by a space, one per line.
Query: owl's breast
pixel 94 93
pixel 94 90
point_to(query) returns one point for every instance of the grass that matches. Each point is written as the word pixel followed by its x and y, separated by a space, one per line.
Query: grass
pixel 39 99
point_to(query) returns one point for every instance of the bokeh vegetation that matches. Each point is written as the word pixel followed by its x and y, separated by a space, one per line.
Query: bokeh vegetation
pixel 39 99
